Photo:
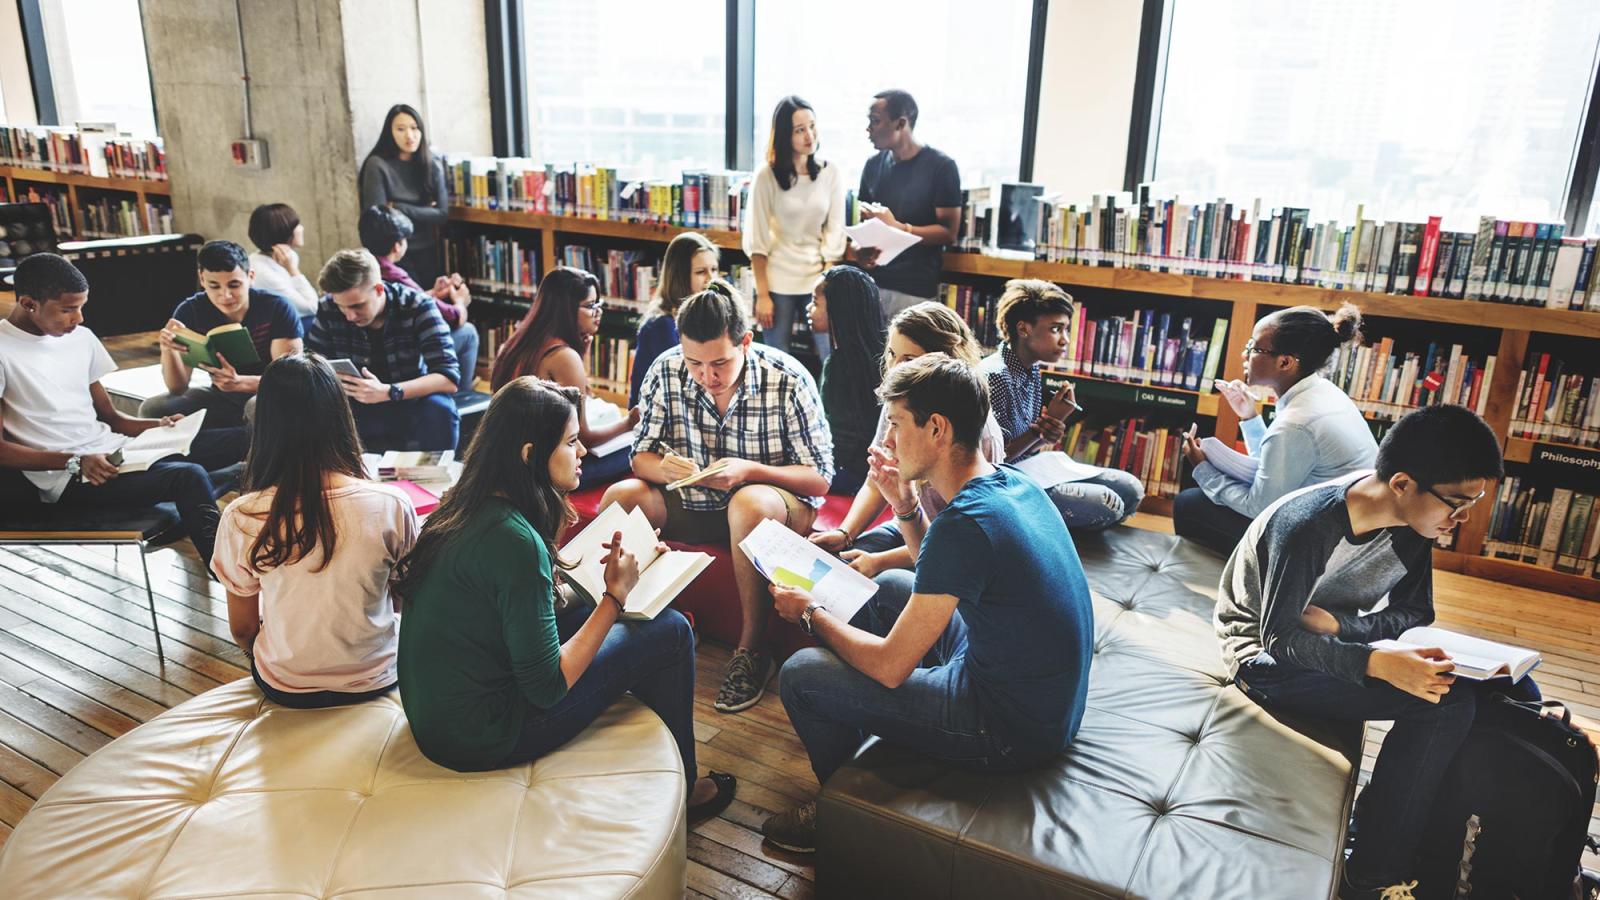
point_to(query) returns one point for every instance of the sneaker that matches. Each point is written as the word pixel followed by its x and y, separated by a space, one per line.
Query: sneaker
pixel 1401 891
pixel 744 682
pixel 795 830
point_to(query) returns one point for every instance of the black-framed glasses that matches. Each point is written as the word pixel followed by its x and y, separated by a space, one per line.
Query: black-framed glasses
pixel 1250 349
pixel 1459 510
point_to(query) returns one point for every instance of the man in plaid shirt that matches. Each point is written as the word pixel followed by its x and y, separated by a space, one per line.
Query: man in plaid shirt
pixel 394 335
pixel 719 400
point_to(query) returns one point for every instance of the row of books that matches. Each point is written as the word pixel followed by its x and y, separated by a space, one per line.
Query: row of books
pixel 699 198
pixel 624 274
pixel 1154 455
pixel 1386 382
pixel 1147 348
pixel 82 152
pixel 1558 405
pixel 496 265
pixel 107 218
pixel 611 360
pixel 56 199
pixel 1554 528
pixel 976 307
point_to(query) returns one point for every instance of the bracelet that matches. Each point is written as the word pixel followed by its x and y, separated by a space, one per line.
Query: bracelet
pixel 912 513
pixel 621 607
pixel 848 540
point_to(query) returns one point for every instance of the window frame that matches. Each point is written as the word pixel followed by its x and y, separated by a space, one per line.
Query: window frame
pixel 46 108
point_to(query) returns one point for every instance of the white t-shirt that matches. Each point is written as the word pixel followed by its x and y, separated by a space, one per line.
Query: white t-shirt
pixel 45 401
pixel 800 231
pixel 333 630
pixel 297 289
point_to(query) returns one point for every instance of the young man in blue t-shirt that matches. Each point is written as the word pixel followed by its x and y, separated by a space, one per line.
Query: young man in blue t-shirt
pixel 981 656
pixel 227 297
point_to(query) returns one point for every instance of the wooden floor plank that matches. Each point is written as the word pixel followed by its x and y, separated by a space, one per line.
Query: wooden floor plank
pixel 24 774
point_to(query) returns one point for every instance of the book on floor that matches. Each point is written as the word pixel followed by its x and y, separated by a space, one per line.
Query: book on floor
pixel 1475 658
pixel 155 444
pixel 231 340
pixel 662 576
pixel 786 558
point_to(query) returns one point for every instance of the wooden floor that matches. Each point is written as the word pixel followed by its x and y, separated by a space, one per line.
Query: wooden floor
pixel 78 668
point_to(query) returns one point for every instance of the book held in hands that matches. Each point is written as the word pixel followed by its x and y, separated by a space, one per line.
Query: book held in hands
pixel 155 444
pixel 662 576
pixel 1475 658
pixel 232 341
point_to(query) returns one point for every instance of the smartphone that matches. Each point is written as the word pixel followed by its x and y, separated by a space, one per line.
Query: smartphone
pixel 345 367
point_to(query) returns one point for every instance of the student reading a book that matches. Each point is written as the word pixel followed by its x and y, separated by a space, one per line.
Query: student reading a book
pixel 1316 435
pixel 981 656
pixel 386 233
pixel 59 434
pixel 491 674
pixel 846 312
pixel 552 343
pixel 1299 604
pixel 1036 318
pixel 228 297
pixel 794 224
pixel 393 334
pixel 911 187
pixel 687 268
pixel 918 330
pixel 402 172
pixel 742 425
pixel 306 555
pixel 276 231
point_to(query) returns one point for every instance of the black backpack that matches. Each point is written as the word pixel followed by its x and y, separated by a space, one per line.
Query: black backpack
pixel 1512 814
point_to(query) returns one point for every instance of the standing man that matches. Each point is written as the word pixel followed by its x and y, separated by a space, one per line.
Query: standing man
pixel 913 188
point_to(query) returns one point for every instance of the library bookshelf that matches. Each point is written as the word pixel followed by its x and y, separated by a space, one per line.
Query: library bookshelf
pixel 142 189
pixel 1246 302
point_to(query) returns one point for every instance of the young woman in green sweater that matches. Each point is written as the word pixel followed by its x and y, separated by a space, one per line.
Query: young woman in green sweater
pixel 491 675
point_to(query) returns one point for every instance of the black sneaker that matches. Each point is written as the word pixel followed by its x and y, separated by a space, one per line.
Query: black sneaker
pixel 1401 891
pixel 744 682
pixel 795 830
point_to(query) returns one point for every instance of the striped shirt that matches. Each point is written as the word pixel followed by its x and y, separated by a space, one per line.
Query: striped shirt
pixel 1016 391
pixel 413 339
pixel 775 419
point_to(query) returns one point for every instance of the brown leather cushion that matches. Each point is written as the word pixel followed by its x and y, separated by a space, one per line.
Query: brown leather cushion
pixel 1176 785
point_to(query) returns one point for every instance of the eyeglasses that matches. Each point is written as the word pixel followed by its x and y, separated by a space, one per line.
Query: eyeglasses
pixel 1459 510
pixel 595 307
pixel 1251 349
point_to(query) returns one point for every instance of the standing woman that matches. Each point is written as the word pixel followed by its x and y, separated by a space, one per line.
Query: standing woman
pixel 550 344
pixel 688 267
pixel 795 227
pixel 845 310
pixel 1317 435
pixel 307 553
pixel 490 675
pixel 276 231
pixel 402 173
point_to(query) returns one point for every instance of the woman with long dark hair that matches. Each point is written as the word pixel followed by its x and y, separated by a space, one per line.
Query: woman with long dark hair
pixel 307 552
pixel 794 229
pixel 845 309
pixel 687 268
pixel 491 675
pixel 401 172
pixel 551 343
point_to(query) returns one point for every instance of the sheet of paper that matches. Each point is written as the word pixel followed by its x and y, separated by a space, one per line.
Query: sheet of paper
pixel 622 441
pixel 1053 467
pixel 787 558
pixel 157 444
pixel 891 242
pixel 1229 461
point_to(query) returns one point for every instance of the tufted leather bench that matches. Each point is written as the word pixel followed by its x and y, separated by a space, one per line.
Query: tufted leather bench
pixel 1176 786
pixel 229 794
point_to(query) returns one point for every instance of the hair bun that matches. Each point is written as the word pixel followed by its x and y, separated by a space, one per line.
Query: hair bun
pixel 1346 322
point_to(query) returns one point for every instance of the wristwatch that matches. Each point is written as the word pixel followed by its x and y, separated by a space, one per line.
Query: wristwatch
pixel 805 618
pixel 396 393
pixel 74 465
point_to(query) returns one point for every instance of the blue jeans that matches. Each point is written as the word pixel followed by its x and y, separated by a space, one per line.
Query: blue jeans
pixel 786 309
pixel 465 338
pixel 936 712
pixel 598 470
pixel 1197 518
pixel 1099 502
pixel 315 699
pixel 1395 806
pixel 653 659
pixel 426 423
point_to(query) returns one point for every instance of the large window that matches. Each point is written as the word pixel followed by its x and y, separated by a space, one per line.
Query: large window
pixel 97 63
pixel 967 68
pixel 638 84
pixel 1457 108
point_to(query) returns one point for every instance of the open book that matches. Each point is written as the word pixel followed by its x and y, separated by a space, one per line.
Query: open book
pixel 416 465
pixel 662 576
pixel 156 444
pixel 1475 658
pixel 1229 461
pixel 231 340
pixel 788 559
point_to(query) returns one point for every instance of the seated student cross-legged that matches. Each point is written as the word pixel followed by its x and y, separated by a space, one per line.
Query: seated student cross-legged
pixel 386 233
pixel 1295 612
pixel 491 674
pixel 752 412
pixel 394 335
pixel 228 298
pixel 981 656
pixel 58 428
pixel 307 553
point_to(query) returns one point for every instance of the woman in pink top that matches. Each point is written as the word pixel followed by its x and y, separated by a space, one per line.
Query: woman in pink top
pixel 306 555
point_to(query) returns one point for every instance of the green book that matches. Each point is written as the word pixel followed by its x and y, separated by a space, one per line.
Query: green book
pixel 231 340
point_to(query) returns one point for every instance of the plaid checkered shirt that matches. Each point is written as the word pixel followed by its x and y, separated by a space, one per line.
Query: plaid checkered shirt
pixel 775 419
pixel 416 341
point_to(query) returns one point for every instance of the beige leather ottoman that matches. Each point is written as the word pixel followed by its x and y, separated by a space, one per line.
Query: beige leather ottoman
pixel 228 794
pixel 1177 785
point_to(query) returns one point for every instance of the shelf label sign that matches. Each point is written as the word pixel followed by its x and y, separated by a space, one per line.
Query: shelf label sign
pixel 1570 467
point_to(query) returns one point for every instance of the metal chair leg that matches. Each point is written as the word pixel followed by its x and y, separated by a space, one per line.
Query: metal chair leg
pixel 150 595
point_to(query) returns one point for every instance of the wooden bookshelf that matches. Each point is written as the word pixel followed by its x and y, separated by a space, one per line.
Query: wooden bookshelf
pixel 1246 302
pixel 141 188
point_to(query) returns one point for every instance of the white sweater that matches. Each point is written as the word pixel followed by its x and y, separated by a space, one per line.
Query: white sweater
pixel 296 289
pixel 800 231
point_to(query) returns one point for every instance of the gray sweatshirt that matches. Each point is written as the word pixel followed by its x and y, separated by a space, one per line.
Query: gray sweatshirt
pixel 418 194
pixel 1300 551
